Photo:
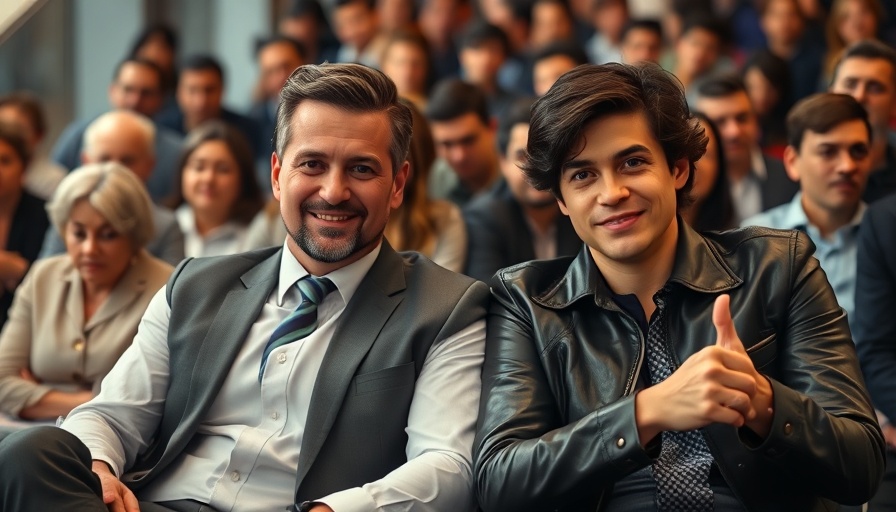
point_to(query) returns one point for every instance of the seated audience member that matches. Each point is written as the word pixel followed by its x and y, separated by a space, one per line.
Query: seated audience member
pixel 395 15
pixel 127 138
pixel 827 153
pixel 513 222
pixel 464 136
pixel 405 61
pixel 758 182
pixel 432 227
pixel 642 41
pixel 330 373
pixel 662 369
pixel 874 329
pixel 440 21
pixel 23 219
pixel 200 94
pixel 24 109
pixel 549 63
pixel 767 81
pixel 304 21
pixel 483 49
pixel 867 72
pixel 784 26
pixel 136 86
pixel 550 22
pixel 216 194
pixel 609 19
pixel 357 27
pixel 158 44
pixel 75 313
pixel 849 22
pixel 277 58
pixel 711 207
pixel 697 53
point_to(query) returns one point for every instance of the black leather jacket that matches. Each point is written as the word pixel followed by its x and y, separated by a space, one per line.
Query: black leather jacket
pixel 557 417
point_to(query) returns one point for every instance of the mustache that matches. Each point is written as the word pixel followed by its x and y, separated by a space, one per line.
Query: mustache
pixel 322 206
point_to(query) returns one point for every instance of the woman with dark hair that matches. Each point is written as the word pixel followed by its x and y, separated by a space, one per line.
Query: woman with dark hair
pixel 216 192
pixel 434 228
pixel 711 209
pixel 767 80
pixel 23 220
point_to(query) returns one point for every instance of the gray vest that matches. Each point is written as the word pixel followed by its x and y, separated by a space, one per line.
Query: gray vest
pixel 361 398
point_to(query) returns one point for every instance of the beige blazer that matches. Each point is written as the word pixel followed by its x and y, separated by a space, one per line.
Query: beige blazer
pixel 46 331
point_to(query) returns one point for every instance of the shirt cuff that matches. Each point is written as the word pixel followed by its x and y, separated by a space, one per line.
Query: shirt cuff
pixel 355 499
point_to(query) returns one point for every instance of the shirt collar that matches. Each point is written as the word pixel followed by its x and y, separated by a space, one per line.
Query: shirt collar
pixel 758 164
pixel 795 216
pixel 347 278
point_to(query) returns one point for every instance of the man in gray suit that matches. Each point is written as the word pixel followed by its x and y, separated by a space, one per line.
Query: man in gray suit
pixel 330 374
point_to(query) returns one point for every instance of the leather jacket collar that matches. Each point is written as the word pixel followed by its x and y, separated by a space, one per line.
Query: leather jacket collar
pixel 698 266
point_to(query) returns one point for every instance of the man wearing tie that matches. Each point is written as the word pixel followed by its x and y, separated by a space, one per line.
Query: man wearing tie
pixel 661 369
pixel 330 374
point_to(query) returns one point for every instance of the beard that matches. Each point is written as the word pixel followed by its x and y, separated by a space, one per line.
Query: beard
pixel 330 245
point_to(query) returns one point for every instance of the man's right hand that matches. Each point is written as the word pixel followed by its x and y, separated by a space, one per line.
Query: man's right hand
pixel 116 495
pixel 715 385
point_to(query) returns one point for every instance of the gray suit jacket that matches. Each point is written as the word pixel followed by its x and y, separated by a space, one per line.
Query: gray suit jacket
pixel 361 399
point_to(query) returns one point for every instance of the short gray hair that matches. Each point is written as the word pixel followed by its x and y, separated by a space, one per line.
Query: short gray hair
pixel 115 120
pixel 352 87
pixel 114 191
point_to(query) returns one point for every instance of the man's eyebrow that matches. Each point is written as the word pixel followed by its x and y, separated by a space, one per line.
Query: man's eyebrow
pixel 623 153
pixel 303 155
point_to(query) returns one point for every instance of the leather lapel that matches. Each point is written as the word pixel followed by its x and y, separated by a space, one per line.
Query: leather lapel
pixel 371 306
pixel 238 312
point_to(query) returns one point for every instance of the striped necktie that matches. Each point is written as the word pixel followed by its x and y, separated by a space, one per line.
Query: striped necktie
pixel 303 320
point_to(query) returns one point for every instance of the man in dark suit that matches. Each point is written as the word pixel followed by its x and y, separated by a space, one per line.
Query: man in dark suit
pixel 331 374
pixel 758 182
pixel 875 330
pixel 513 222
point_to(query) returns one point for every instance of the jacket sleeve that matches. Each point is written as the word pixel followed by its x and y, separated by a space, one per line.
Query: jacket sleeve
pixel 522 437
pixel 875 330
pixel 824 432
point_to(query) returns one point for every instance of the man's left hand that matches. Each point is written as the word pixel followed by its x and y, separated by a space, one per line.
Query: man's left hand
pixel 727 337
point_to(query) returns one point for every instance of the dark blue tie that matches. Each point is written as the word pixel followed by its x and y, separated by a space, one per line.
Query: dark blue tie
pixel 303 320
pixel 682 469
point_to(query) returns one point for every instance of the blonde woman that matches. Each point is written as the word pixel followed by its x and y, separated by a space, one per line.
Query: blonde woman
pixel 75 313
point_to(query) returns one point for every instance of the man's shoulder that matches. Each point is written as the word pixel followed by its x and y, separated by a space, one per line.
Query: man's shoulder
pixel 744 248
pixel 493 204
pixel 423 273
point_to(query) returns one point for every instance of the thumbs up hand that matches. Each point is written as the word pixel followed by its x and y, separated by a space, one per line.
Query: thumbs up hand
pixel 727 338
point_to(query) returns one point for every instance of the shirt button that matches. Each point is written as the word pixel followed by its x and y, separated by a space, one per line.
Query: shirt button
pixel 281 357
pixel 235 476
pixel 788 429
pixel 274 415
pixel 620 443
pixel 78 345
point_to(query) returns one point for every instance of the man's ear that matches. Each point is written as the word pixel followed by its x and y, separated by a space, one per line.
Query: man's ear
pixel 275 175
pixel 681 169
pixel 791 157
pixel 398 184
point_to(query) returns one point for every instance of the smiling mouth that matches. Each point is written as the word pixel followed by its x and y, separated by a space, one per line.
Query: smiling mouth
pixel 332 218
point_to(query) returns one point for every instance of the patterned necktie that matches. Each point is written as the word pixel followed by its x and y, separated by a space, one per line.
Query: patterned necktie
pixel 682 469
pixel 303 320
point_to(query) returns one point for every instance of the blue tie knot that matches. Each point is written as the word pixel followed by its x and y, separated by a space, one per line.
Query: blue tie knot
pixel 314 289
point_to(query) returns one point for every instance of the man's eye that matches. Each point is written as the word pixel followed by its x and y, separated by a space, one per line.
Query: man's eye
pixel 633 162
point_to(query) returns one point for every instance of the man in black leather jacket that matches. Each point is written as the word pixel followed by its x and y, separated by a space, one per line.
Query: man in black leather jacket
pixel 660 369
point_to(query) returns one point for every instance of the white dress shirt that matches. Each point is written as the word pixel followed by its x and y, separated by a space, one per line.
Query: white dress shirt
pixel 229 238
pixel 246 450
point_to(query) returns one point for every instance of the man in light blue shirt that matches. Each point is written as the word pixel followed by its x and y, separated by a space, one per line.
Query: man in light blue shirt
pixel 829 141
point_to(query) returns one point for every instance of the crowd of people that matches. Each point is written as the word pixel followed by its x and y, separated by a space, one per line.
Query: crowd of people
pixel 717 181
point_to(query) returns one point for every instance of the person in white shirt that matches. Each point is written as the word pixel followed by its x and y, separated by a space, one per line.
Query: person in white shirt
pixel 216 192
pixel 214 408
